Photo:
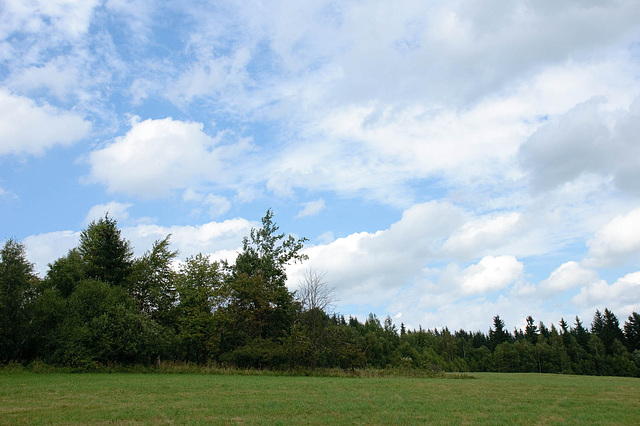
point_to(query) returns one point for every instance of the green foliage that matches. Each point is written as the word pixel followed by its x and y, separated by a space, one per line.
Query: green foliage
pixel 259 304
pixel 17 289
pixel 107 257
pixel 65 273
pixel 202 293
pixel 498 335
pixel 632 332
pixel 152 281
pixel 98 307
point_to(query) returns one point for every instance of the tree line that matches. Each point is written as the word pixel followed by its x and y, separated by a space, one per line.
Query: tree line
pixel 100 305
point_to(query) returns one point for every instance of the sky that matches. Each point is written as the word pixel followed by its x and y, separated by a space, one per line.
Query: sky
pixel 448 161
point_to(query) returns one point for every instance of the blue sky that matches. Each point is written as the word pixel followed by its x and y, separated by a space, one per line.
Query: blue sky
pixel 447 161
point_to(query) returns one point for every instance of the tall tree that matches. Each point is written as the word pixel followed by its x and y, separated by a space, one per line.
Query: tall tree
pixel 597 325
pixel 258 296
pixel 152 281
pixel 201 293
pixel 267 253
pixel 107 256
pixel 531 330
pixel 581 334
pixel 632 332
pixel 17 288
pixel 610 331
pixel 498 334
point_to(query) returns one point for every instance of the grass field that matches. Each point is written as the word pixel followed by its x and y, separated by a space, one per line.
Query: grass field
pixel 226 399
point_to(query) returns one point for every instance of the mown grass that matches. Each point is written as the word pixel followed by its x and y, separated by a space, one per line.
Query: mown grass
pixel 130 398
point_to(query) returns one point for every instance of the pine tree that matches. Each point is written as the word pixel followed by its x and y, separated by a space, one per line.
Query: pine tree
pixel 106 255
pixel 632 332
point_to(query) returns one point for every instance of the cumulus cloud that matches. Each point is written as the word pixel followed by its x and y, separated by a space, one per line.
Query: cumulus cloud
pixel 623 296
pixel 567 276
pixel 488 275
pixel 22 122
pixel 311 208
pixel 482 234
pixel 616 242
pixel 157 156
pixel 389 259
pixel 208 238
pixel 368 263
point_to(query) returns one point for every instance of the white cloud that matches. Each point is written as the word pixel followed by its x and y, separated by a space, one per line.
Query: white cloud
pixel 217 205
pixel 488 275
pixel 481 235
pixel 60 76
pixel 157 156
pixel 623 296
pixel 70 17
pixel 208 238
pixel 616 242
pixel 371 263
pixel 118 211
pixel 311 208
pixel 567 276
pixel 43 249
pixel 22 122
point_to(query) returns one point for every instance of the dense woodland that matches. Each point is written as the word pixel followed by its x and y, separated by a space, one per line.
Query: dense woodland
pixel 99 305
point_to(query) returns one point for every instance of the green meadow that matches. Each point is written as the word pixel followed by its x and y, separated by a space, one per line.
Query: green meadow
pixel 31 398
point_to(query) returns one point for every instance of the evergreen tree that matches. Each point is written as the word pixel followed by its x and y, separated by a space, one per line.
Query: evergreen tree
pixel 581 334
pixel 565 333
pixel 632 332
pixel 610 331
pixel 531 331
pixel 497 334
pixel 107 256
pixel 597 325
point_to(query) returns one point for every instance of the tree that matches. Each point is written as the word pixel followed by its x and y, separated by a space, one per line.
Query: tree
pixel 65 273
pixel 258 295
pixel 632 332
pixel 17 289
pixel 498 334
pixel 315 297
pixel 201 293
pixel 610 331
pixel 107 256
pixel 597 325
pixel 531 330
pixel 581 334
pixel 267 253
pixel 152 281
pixel 564 332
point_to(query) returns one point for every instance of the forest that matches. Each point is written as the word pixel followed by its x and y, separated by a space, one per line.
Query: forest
pixel 99 305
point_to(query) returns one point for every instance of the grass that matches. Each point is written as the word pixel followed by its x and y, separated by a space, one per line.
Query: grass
pixel 27 397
